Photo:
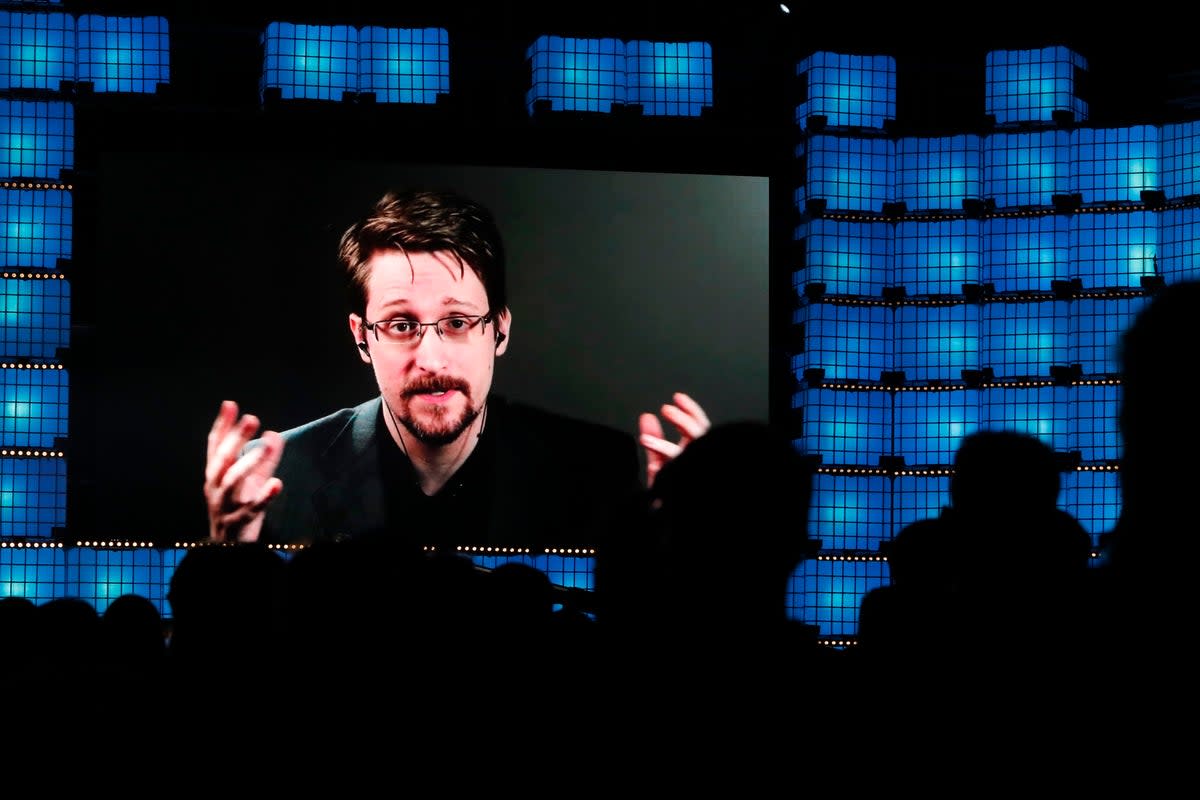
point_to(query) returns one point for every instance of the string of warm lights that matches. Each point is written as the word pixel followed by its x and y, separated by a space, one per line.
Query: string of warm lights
pixel 33 276
pixel 32 453
pixel 37 185
pixel 935 472
pixel 28 365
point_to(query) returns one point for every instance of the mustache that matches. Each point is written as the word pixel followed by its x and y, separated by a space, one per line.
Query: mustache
pixel 429 385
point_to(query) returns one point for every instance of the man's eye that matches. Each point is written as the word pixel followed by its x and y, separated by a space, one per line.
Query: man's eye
pixel 400 326
pixel 456 323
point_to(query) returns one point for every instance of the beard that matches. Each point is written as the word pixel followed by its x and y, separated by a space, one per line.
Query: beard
pixel 438 425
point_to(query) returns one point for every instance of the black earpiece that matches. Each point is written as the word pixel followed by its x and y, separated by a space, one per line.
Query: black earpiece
pixel 500 337
pixel 363 346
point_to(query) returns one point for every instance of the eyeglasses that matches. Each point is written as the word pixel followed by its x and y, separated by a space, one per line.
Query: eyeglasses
pixel 408 331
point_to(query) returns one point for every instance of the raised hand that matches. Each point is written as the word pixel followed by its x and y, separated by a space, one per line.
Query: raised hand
pixel 238 488
pixel 688 418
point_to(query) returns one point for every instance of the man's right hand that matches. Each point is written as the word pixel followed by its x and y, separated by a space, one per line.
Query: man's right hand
pixel 237 489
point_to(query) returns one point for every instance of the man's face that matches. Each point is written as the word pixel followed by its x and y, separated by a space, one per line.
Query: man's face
pixel 435 387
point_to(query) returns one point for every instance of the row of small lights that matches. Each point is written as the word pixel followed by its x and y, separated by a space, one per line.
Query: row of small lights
pixel 935 472
pixel 36 185
pixel 23 365
pixel 33 453
pixel 1040 383
pixel 950 216
pixel 34 275
pixel 1115 293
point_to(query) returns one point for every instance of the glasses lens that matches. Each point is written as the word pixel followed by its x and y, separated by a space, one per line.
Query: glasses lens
pixel 456 327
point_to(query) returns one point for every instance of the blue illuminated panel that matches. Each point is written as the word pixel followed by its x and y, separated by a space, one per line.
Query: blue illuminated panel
pixel 400 65
pixel 849 90
pixel 35 406
pixel 849 174
pixel 1027 169
pixel 35 317
pixel 827 593
pixel 102 575
pixel 938 174
pixel 37 139
pixel 576 74
pixel 669 78
pixel 850 342
pixel 123 54
pixel 1115 164
pixel 1096 328
pixel 1179 148
pixel 917 497
pixel 572 572
pixel 1179 244
pixel 850 512
pixel 1094 498
pixel 937 257
pixel 930 424
pixel 936 342
pixel 845 426
pixel 1026 254
pixel 37 51
pixel 38 573
pixel 37 227
pixel 1030 85
pixel 1094 415
pixel 1114 250
pixel 310 62
pixel 1042 411
pixel 33 496
pixel 849 258
pixel 1025 339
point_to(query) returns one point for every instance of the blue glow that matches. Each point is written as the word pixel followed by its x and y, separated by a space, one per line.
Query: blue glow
pixel 123 54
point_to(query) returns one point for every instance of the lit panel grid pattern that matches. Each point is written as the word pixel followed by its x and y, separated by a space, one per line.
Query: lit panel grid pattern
pixel 37 51
pixel 827 593
pixel 1096 327
pixel 849 258
pixel 1094 498
pixel 574 572
pixel 849 174
pixel 310 62
pixel 37 227
pixel 930 424
pixel 576 74
pixel 938 174
pixel 1026 254
pixel 1027 169
pixel 936 342
pixel 850 342
pixel 33 497
pixel 102 575
pixel 1179 159
pixel 917 497
pixel 1030 85
pixel 669 78
pixel 845 426
pixel 404 65
pixel 36 573
pixel 37 139
pixel 1025 339
pixel 850 512
pixel 848 90
pixel 937 257
pixel 35 317
pixel 123 54
pixel 1114 249
pixel 1094 433
pixel 1179 244
pixel 1042 411
pixel 35 407
pixel 1115 164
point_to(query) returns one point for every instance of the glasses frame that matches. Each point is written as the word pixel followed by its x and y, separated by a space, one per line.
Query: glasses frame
pixel 476 319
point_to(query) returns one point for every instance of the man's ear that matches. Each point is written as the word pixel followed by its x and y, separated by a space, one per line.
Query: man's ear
pixel 359 332
pixel 503 323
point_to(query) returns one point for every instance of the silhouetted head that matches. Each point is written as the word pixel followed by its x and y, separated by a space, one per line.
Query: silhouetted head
pixel 1004 473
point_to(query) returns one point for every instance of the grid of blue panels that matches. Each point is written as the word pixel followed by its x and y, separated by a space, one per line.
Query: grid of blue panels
pixel 1114 250
pixel 1026 254
pixel 1094 498
pixel 1179 244
pixel 848 90
pixel 1027 169
pixel 123 54
pixel 36 573
pixel 37 227
pixel 669 78
pixel 37 51
pixel 34 407
pixel 936 342
pixel 827 592
pixel 35 317
pixel 404 65
pixel 916 497
pixel 102 575
pixel 850 512
pixel 570 571
pixel 930 424
pixel 1096 328
pixel 33 497
pixel 310 62
pixel 848 173
pixel 938 174
pixel 851 427
pixel 37 139
pixel 1030 85
pixel 849 258
pixel 1179 168
pixel 576 74
pixel 1025 339
pixel 1115 164
pixel 1094 432
pixel 850 342
pixel 937 257
pixel 1041 411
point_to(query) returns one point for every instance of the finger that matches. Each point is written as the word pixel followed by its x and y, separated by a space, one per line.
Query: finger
pixel 649 424
pixel 689 426
pixel 257 462
pixel 227 449
pixel 660 449
pixel 269 491
pixel 221 425
pixel 689 405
